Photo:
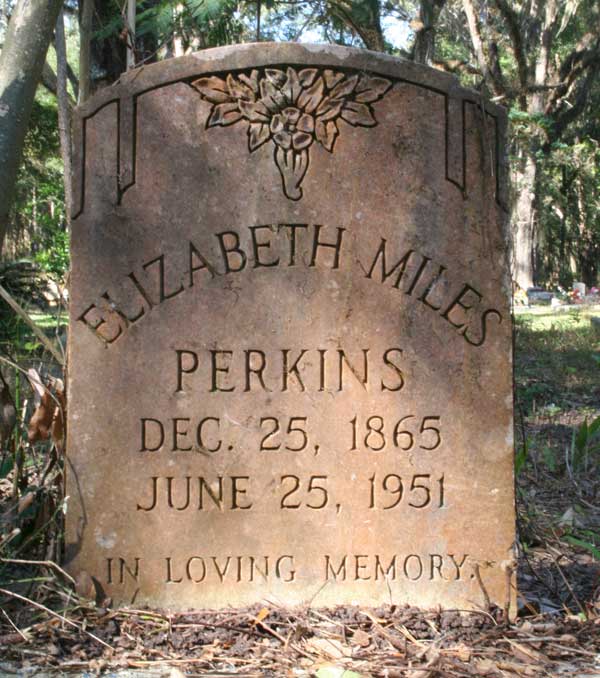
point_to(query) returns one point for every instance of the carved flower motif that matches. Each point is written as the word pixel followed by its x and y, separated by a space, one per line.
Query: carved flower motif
pixel 292 128
pixel 293 110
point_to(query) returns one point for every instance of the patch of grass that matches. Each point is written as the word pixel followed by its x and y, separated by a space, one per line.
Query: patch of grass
pixel 557 381
pixel 556 362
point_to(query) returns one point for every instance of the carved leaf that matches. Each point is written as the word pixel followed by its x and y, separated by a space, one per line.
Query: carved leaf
pixel 301 140
pixel 359 115
pixel 224 114
pixel 213 89
pixel 238 90
pixel 250 80
pixel 272 98
pixel 275 77
pixel 306 123
pixel 283 139
pixel 326 133
pixel 332 78
pixel 311 97
pixel 371 89
pixel 292 87
pixel 258 134
pixel 307 76
pixel 328 109
pixel 255 112
pixel 344 88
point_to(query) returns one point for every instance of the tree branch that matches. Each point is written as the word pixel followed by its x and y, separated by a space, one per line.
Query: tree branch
pixel 515 31
pixel 456 66
pixel 542 62
pixel 48 80
pixel 581 87
pixel 73 80
pixel 585 56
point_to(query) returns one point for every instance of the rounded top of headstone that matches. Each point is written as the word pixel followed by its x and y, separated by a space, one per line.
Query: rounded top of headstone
pixel 257 55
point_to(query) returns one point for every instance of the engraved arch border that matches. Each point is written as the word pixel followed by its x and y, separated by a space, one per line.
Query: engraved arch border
pixel 456 100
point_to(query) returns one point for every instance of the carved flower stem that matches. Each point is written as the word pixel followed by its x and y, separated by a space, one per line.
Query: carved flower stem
pixel 293 165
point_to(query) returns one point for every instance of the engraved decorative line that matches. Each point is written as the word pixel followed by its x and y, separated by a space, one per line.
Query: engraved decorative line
pixel 292 109
pixel 128 137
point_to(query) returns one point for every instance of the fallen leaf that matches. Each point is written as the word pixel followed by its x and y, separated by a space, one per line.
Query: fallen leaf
pixel 36 384
pixel 333 671
pixel 8 413
pixel 85 586
pixel 526 653
pixel 48 417
pixel 25 502
pixel 57 430
pixel 262 615
pixel 486 666
pixel 420 673
pixel 461 651
pixel 568 518
pixel 361 638
pixel 330 647
pixel 41 419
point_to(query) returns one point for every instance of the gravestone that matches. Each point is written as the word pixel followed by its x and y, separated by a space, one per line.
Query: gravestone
pixel 290 350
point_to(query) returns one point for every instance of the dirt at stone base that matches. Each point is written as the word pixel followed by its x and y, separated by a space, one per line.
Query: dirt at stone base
pixel 346 642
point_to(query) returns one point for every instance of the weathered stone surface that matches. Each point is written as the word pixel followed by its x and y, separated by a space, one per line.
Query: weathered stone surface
pixel 290 354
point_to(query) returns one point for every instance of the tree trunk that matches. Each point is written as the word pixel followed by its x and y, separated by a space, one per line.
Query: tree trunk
pixel 363 17
pixel 424 47
pixel 131 34
pixel 108 55
pixel 524 217
pixel 258 13
pixel 85 46
pixel 64 110
pixel 21 61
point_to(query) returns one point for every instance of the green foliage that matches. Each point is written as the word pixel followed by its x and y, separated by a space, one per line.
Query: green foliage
pixel 202 23
pixel 569 204
pixel 38 225
pixel 587 545
pixel 53 255
pixel 585 443
pixel 555 368
pixel 521 457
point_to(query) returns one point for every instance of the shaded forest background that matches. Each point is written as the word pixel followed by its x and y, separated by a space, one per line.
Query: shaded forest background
pixel 540 59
